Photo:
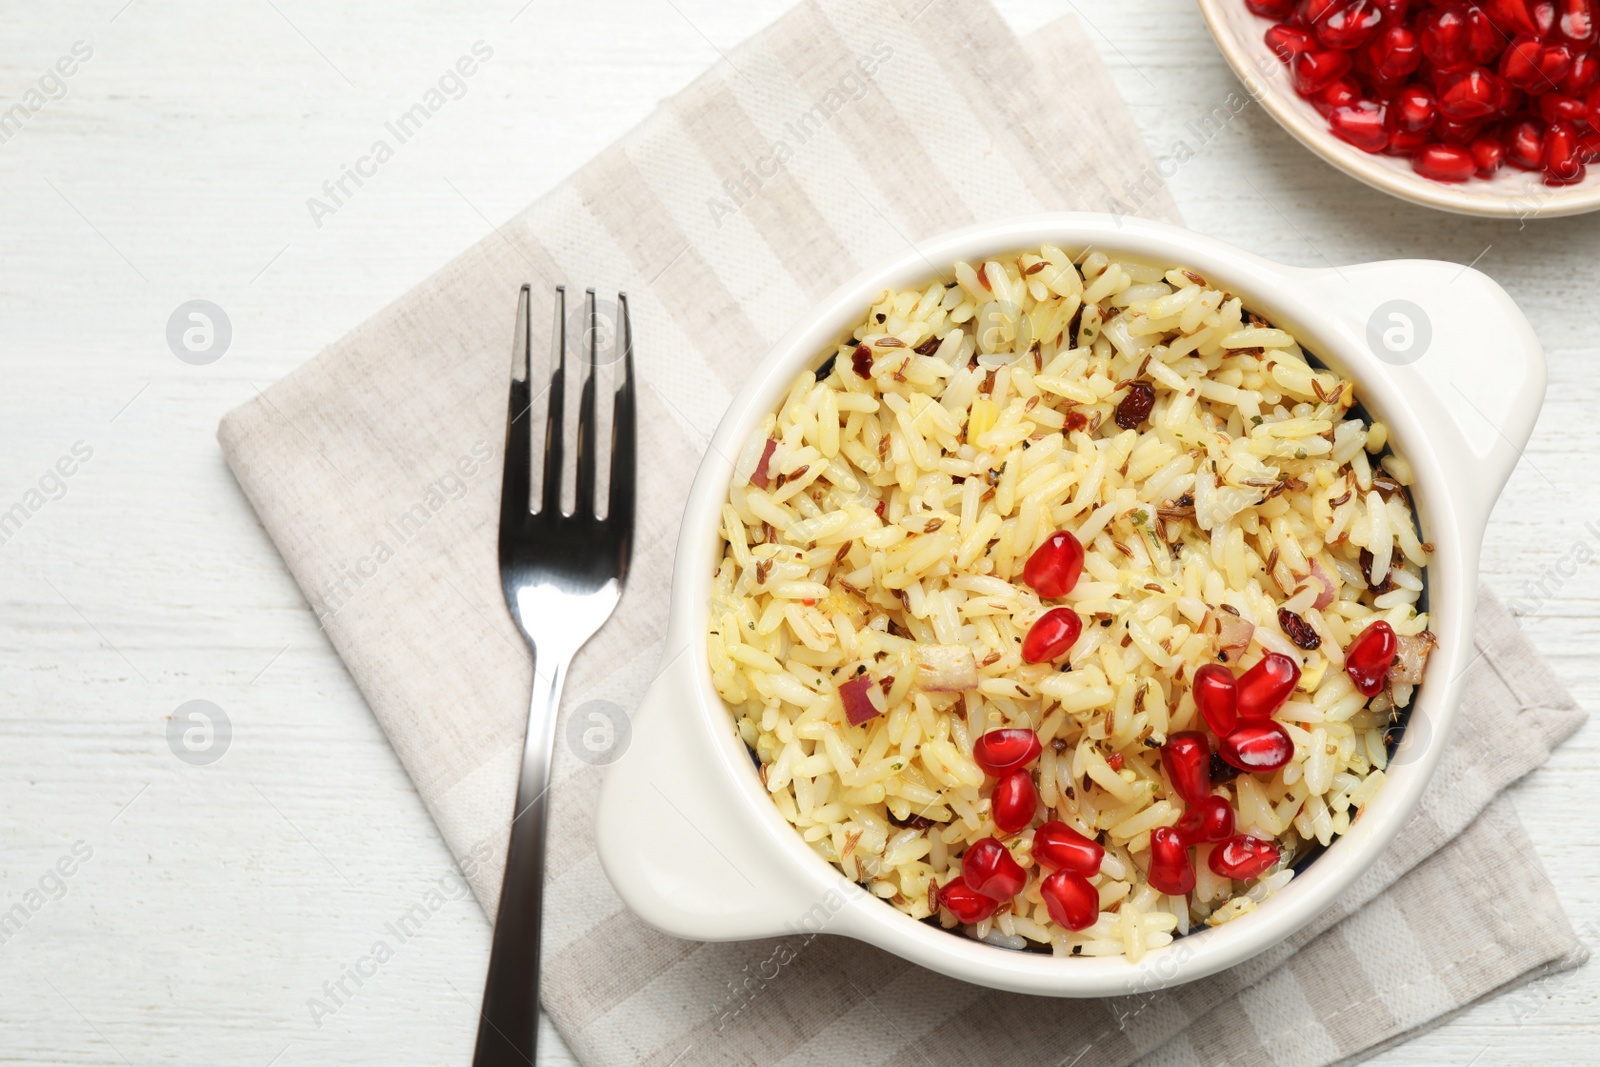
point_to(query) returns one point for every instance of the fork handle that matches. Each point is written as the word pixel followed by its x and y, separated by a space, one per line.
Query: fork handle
pixel 508 1026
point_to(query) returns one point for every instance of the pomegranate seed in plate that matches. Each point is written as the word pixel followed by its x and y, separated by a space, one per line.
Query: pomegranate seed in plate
pixel 965 903
pixel 1484 39
pixel 1469 94
pixel 1361 126
pixel 1342 93
pixel 1544 18
pixel 1264 687
pixel 1051 637
pixel 1370 656
pixel 1488 153
pixel 1258 747
pixel 1055 566
pixel 999 752
pixel 1584 75
pixel 1216 694
pixel 1394 53
pixel 1170 871
pixel 1208 822
pixel 1458 133
pixel 1594 107
pixel 1186 757
pixel 1243 857
pixel 1444 163
pixel 1014 802
pixel 1442 33
pixel 1562 163
pixel 1589 146
pixel 1575 21
pixel 1349 24
pixel 1525 145
pixel 1287 42
pixel 1061 848
pixel 1414 109
pixel 1402 143
pixel 1070 899
pixel 988 867
pixel 1511 16
pixel 1531 64
pixel 1394 11
pixel 1559 107
pixel 1271 9
pixel 1314 70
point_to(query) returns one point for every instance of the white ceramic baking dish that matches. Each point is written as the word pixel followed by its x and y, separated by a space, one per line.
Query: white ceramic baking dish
pixel 688 835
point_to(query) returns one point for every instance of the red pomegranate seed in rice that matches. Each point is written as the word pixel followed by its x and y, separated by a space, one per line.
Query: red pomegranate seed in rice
pixel 1061 848
pixel 1014 801
pixel 1055 566
pixel 1259 747
pixel 1264 687
pixel 965 903
pixel 1070 899
pixel 1208 822
pixel 1050 638
pixel 1171 870
pixel 1001 751
pixel 1370 656
pixel 1216 694
pixel 1186 757
pixel 1243 857
pixel 988 868
pixel 1114 761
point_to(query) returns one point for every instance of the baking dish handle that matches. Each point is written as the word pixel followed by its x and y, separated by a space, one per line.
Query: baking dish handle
pixel 1460 352
pixel 682 848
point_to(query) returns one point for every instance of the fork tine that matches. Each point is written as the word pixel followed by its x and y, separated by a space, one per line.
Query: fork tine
pixel 553 428
pixel 619 509
pixel 519 448
pixel 583 500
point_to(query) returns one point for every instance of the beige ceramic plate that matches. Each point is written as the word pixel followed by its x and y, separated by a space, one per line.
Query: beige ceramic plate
pixel 1510 194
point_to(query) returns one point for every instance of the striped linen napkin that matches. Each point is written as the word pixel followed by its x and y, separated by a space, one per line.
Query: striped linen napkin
pixel 825 143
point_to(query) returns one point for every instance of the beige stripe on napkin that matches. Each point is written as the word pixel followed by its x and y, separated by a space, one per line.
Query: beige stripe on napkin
pixel 826 143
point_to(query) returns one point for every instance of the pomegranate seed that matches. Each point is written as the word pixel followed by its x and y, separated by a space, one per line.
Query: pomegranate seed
pixel 1458 133
pixel 1370 656
pixel 1361 126
pixel 1186 757
pixel 1562 163
pixel 1070 899
pixel 1583 76
pixel 1559 107
pixel 1311 12
pixel 1414 110
pixel 1469 94
pixel 1208 822
pixel 1050 637
pixel 988 868
pixel 1525 145
pixel 1576 22
pixel 1135 407
pixel 1014 802
pixel 999 752
pixel 1511 16
pixel 1531 64
pixel 1259 747
pixel 1342 93
pixel 1114 761
pixel 1061 848
pixel 1444 163
pixel 1484 39
pixel 1170 871
pixel 1055 566
pixel 1394 11
pixel 1350 24
pixel 965 903
pixel 1243 857
pixel 1271 9
pixel 1287 42
pixel 1216 694
pixel 1314 70
pixel 1394 53
pixel 1264 687
pixel 1594 107
pixel 1405 144
pixel 1589 146
pixel 1489 154
pixel 1442 33
pixel 1544 18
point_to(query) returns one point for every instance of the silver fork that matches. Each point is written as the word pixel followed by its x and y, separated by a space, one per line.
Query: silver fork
pixel 562 575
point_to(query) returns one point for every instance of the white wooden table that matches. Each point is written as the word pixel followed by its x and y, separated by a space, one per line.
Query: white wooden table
pixel 216 900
